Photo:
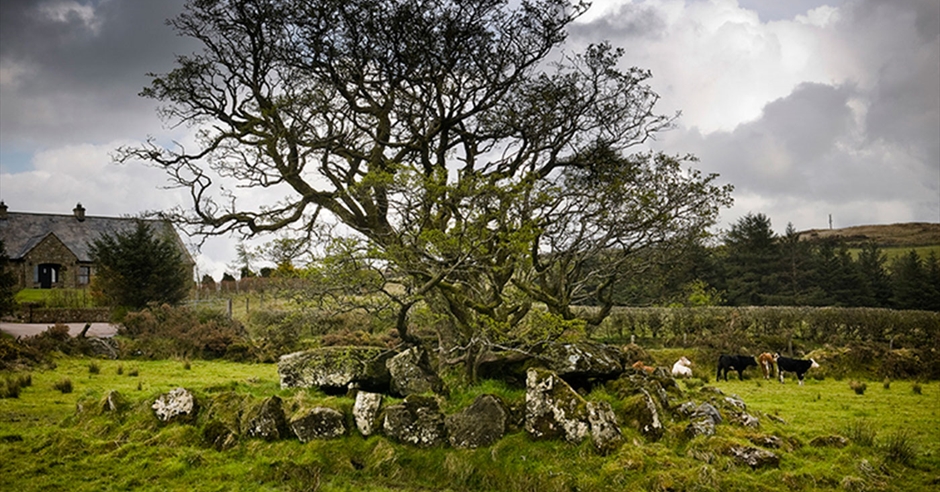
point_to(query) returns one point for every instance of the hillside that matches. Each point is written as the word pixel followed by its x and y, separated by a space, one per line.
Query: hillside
pixel 892 235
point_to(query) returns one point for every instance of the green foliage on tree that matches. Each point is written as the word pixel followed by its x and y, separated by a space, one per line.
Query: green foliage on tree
pixel 455 142
pixel 137 267
pixel 752 258
pixel 7 283
pixel 912 286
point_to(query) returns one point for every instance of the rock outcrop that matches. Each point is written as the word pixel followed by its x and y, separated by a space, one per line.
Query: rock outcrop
pixel 177 405
pixel 754 457
pixel 553 409
pixel 366 412
pixel 605 433
pixel 417 421
pixel 481 424
pixel 581 361
pixel 318 423
pixel 411 373
pixel 336 369
pixel 267 421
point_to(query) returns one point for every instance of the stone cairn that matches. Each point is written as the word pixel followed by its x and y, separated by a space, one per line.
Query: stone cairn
pixel 555 377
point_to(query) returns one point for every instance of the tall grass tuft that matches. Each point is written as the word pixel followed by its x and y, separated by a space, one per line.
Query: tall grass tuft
pixel 861 432
pixel 94 368
pixel 120 369
pixel 917 389
pixel 857 387
pixel 899 448
pixel 10 386
pixel 887 383
pixel 64 385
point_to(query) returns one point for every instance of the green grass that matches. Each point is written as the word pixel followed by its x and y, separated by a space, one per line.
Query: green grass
pixel 894 252
pixel 47 444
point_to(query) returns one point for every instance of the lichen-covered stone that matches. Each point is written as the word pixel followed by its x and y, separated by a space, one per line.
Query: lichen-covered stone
pixel 411 373
pixel 417 421
pixel 177 405
pixel 267 421
pixel 336 369
pixel 479 425
pixel 754 457
pixel 223 415
pixel 831 441
pixel 605 433
pixel 366 411
pixel 582 360
pixel 553 408
pixel 707 410
pixel 701 426
pixel 114 402
pixel 318 423
pixel 643 415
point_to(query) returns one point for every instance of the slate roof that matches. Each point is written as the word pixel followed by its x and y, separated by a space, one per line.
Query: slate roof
pixel 21 232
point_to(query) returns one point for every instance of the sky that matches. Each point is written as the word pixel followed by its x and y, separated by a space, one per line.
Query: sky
pixel 811 108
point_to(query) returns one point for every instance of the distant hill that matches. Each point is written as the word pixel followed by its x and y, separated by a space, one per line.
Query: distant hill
pixel 886 236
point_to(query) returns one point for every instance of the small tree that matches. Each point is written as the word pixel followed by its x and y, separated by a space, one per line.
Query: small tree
pixel 137 267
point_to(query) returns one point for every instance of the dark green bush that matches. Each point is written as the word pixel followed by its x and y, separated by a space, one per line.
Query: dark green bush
pixel 164 332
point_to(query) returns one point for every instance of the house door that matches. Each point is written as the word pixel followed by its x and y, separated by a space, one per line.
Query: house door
pixel 48 275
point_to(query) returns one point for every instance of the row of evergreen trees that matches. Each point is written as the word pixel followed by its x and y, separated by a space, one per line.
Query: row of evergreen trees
pixel 756 267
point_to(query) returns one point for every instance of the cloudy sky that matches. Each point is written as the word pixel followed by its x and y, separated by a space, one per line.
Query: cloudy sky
pixel 810 108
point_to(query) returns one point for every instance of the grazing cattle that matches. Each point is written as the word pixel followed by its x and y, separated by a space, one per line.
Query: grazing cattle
pixel 682 367
pixel 766 362
pixel 638 365
pixel 799 366
pixel 737 362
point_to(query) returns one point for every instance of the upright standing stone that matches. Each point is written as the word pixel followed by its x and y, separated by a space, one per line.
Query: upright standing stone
pixel 366 411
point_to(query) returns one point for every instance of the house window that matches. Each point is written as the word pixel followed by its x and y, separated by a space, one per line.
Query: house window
pixel 84 275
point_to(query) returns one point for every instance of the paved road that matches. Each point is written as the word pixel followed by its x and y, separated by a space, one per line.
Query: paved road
pixel 30 329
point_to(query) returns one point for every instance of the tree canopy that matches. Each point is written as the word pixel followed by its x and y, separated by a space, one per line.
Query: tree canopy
pixel 137 267
pixel 484 167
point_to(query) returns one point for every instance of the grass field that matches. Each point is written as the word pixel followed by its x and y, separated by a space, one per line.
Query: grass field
pixel 47 444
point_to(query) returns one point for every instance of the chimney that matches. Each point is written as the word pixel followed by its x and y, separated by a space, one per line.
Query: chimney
pixel 79 212
pixel 3 211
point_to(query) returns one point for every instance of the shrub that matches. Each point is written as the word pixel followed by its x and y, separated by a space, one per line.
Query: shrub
pixel 162 332
pixel 64 385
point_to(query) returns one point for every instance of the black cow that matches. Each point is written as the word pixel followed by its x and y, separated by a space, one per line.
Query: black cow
pixel 737 362
pixel 799 366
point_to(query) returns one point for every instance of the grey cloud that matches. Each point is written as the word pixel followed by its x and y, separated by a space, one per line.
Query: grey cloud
pixel 628 21
pixel 808 148
pixel 79 80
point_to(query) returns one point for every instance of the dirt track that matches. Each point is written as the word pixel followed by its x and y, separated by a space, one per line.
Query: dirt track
pixel 30 329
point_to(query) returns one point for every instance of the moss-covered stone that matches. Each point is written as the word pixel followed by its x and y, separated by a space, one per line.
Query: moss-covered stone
pixel 336 369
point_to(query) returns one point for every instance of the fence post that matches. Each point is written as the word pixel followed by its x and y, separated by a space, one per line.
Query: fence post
pixel 230 308
pixel 247 310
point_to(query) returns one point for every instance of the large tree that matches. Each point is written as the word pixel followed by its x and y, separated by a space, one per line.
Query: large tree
pixel 456 140
pixel 138 266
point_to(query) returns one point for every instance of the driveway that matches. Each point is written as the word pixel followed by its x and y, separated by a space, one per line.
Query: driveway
pixel 31 329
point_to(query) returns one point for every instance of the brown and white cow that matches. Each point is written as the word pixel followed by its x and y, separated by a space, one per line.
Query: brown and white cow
pixel 766 363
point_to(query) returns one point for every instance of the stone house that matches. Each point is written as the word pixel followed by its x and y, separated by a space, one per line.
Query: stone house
pixel 52 251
